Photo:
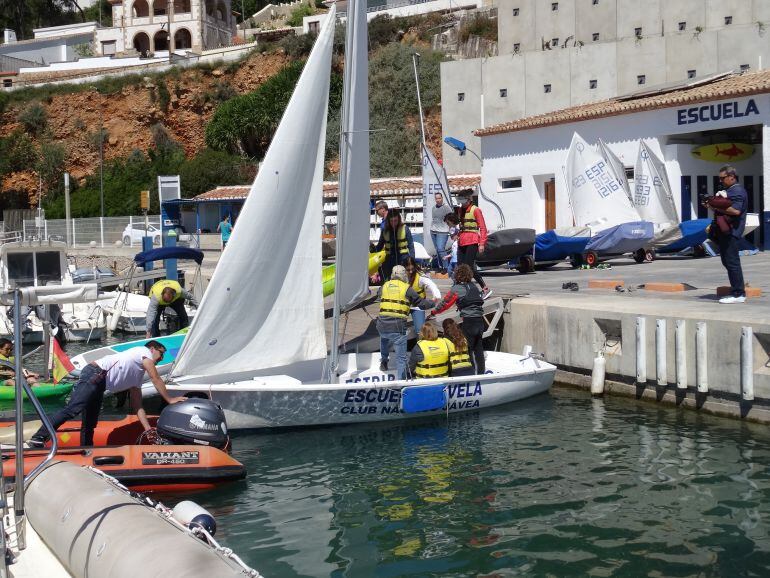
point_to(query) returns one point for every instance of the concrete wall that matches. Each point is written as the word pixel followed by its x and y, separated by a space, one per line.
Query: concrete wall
pixel 533 153
pixel 572 329
pixel 46 50
pixel 616 61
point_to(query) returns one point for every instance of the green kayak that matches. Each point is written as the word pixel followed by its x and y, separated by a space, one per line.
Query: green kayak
pixel 42 391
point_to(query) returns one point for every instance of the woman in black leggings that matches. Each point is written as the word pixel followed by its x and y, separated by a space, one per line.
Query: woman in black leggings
pixel 467 296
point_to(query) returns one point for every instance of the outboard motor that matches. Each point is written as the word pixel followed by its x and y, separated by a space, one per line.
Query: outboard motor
pixel 194 421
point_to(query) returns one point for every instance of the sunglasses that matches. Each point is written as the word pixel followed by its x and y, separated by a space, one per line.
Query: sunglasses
pixel 162 353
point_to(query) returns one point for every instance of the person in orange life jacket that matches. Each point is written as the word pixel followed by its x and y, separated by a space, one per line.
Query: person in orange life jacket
pixel 430 357
pixel 473 236
pixel 423 285
pixel 459 357
pixel 467 296
pixel 396 297
pixel 396 240
pixel 114 373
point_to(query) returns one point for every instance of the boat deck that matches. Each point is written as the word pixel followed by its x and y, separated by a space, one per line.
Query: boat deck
pixel 36 560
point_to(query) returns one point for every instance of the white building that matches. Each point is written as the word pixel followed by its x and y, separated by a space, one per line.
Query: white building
pixel 523 159
pixel 554 54
pixel 143 26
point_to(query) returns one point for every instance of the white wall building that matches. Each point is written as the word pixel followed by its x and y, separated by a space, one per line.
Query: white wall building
pixel 523 159
pixel 555 54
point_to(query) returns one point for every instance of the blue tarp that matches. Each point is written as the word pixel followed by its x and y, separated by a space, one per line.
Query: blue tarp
pixel 423 398
pixel 552 247
pixel 693 233
pixel 625 238
pixel 169 253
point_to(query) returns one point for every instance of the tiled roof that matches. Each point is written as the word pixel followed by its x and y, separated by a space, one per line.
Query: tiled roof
pixel 733 85
pixel 379 188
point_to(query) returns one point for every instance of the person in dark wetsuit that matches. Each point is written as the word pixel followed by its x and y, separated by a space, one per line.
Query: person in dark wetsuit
pixel 467 296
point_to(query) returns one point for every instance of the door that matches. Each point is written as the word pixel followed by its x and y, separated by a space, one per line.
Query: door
pixel 550 205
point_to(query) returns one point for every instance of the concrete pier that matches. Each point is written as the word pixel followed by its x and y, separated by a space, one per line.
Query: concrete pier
pixel 679 347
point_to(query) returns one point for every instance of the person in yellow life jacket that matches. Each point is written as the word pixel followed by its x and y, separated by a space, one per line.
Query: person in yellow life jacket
pixel 430 357
pixel 167 293
pixel 396 299
pixel 8 374
pixel 424 286
pixel 396 240
pixel 459 356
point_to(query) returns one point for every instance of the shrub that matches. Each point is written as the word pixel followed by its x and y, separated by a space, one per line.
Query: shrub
pixel 34 118
pixel 50 164
pixel 17 153
pixel 478 25
pixel 295 19
pixel 209 169
pixel 297 46
pixel 164 97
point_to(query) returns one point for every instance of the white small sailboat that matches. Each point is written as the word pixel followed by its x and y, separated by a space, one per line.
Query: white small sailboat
pixel 257 345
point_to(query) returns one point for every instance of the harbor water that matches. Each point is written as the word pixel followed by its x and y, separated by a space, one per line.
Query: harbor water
pixel 559 485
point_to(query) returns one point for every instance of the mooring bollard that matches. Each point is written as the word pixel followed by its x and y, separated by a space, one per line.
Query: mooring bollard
pixel 660 351
pixel 681 354
pixel 701 357
pixel 641 351
pixel 597 374
pixel 747 363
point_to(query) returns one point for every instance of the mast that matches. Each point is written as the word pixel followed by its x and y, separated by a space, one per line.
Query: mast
pixel 345 131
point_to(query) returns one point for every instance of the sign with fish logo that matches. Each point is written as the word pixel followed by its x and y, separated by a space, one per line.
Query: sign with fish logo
pixel 726 152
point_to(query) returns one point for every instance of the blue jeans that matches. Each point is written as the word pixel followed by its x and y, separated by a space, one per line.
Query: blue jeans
pixel 399 344
pixel 451 269
pixel 439 242
pixel 731 260
pixel 418 320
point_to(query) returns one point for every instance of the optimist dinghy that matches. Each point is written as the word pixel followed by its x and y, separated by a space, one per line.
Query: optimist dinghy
pixel 259 349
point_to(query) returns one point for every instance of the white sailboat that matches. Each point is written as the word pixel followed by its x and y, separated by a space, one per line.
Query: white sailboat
pixel 257 345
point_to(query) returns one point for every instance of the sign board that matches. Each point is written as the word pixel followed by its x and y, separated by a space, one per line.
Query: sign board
pixel 144 200
pixel 169 188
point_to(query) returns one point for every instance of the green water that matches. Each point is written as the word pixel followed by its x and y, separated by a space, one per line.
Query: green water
pixel 561 485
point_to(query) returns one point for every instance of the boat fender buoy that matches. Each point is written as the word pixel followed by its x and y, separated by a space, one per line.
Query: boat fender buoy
pixel 190 514
pixel 112 321
pixel 597 375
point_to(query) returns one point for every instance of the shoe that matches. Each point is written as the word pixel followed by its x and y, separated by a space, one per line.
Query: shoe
pixel 732 299
pixel 486 293
pixel 383 365
pixel 34 444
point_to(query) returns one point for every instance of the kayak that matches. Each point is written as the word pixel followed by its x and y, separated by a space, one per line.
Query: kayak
pixel 42 391
pixel 327 273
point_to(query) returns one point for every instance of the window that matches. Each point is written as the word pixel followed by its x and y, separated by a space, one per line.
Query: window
pixel 593 84
pixel 682 26
pixel 691 74
pixel 638 32
pixel 515 11
pixel 546 88
pixel 7 83
pixel 460 96
pixel 510 184
pixel 744 67
pixel 641 79
pixel 629 173
pixel 595 36
pixel 554 42
pixel 312 27
pixel 728 20
pixel 503 93
pixel 108 48
pixel 554 6
pixel 516 47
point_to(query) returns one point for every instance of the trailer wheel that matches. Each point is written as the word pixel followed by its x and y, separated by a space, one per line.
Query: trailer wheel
pixel 649 255
pixel 591 258
pixel 640 255
pixel 698 251
pixel 576 260
pixel 526 264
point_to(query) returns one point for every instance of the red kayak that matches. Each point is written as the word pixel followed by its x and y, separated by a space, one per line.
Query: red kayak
pixel 147 468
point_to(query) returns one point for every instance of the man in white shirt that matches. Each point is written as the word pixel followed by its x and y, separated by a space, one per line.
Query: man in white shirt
pixel 114 373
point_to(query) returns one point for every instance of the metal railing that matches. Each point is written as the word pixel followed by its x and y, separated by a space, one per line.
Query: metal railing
pixel 98 231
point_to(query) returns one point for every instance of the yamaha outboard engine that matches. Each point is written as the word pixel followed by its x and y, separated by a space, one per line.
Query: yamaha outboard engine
pixel 193 421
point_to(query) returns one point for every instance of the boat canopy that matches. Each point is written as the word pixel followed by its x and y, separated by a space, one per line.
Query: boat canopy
pixel 169 253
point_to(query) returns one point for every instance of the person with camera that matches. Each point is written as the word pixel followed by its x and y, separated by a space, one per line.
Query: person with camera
pixel 727 229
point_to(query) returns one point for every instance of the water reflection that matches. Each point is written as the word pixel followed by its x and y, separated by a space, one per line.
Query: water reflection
pixel 559 486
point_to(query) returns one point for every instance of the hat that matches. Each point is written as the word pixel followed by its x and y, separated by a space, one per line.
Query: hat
pixel 399 273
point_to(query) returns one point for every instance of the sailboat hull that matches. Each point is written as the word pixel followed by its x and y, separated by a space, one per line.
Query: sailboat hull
pixel 366 394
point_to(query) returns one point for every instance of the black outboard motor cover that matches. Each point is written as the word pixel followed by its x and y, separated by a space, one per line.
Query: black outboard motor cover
pixel 194 421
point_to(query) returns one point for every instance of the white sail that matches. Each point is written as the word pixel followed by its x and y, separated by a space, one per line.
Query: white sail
pixel 264 304
pixel 618 169
pixel 652 191
pixel 352 255
pixel 598 201
pixel 434 180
